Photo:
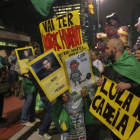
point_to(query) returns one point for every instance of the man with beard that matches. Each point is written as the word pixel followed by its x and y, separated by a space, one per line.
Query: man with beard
pixel 123 69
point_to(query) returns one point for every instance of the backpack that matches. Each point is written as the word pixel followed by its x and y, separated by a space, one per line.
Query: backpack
pixel 19 90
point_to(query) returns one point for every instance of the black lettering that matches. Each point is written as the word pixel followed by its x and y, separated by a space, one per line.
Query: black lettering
pixel 70 16
pixel 95 99
pixel 108 113
pixel 116 117
pixel 110 92
pixel 45 26
pixel 135 127
pixel 128 102
pixel 118 97
pixel 102 88
pixel 137 112
pixel 100 107
pixel 52 25
pixel 61 17
pixel 123 124
pixel 49 26
pixel 64 22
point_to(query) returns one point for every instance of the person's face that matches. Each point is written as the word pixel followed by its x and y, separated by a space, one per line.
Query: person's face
pixel 136 47
pixel 74 65
pixel 47 65
pixel 110 51
pixel 111 27
pixel 36 51
pixel 100 56
pixel 138 27
pixel 137 54
pixel 3 76
pixel 93 56
pixel 128 51
pixel 13 52
pixel 26 53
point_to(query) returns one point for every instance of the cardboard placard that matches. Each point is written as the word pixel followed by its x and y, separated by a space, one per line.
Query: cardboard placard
pixel 78 68
pixel 49 73
pixel 23 55
pixel 61 33
pixel 120 112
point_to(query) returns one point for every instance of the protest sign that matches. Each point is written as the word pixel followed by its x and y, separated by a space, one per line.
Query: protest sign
pixel 78 68
pixel 120 112
pixel 23 55
pixel 61 33
pixel 49 73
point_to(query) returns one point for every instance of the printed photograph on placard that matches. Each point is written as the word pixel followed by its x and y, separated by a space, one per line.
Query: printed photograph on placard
pixel 46 66
pixel 78 76
pixel 25 53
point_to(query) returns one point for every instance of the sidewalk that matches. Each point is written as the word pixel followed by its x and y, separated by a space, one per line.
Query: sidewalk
pixel 12 112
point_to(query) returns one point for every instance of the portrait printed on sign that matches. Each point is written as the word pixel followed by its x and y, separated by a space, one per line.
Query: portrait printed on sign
pixel 78 68
pixel 49 73
pixel 23 55
pixel 46 66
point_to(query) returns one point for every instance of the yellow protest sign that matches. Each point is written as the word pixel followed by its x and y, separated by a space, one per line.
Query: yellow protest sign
pixel 120 112
pixel 23 55
pixel 61 33
pixel 78 68
pixel 49 73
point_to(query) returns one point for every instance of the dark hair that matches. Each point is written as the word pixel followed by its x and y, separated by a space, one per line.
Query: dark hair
pixel 127 47
pixel 35 45
pixel 26 50
pixel 113 16
pixel 96 53
pixel 138 49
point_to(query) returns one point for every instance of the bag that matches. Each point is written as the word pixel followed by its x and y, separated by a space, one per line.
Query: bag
pixel 19 90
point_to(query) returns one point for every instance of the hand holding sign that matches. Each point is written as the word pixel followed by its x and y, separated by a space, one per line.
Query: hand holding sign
pixel 122 86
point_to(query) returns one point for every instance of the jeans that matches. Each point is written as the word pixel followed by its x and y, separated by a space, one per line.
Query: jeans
pixel 28 110
pixel 48 119
pixel 1 104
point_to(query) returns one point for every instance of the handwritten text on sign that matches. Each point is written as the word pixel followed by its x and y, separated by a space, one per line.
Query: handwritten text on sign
pixel 120 112
pixel 61 33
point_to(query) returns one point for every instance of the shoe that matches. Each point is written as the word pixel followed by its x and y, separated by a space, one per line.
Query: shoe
pixel 45 136
pixel 3 120
pixel 27 124
pixel 37 120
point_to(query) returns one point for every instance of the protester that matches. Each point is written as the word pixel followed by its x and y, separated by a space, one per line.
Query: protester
pixel 123 69
pixel 128 50
pixel 13 76
pixel 95 61
pixel 44 128
pixel 79 117
pixel 4 89
pixel 137 54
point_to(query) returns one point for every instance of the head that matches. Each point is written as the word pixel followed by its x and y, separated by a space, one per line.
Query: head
pixel 115 49
pixel 94 55
pixel 137 25
pixel 137 54
pixel 112 24
pixel 128 50
pixel 74 65
pixel 13 52
pixel 26 53
pixel 3 74
pixel 36 48
pixel 47 64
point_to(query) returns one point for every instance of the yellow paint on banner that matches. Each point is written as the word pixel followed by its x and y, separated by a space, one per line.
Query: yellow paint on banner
pixel 61 33
pixel 23 55
pixel 82 75
pixel 120 112
pixel 49 73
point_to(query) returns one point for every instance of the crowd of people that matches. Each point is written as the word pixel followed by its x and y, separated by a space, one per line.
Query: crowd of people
pixel 116 63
